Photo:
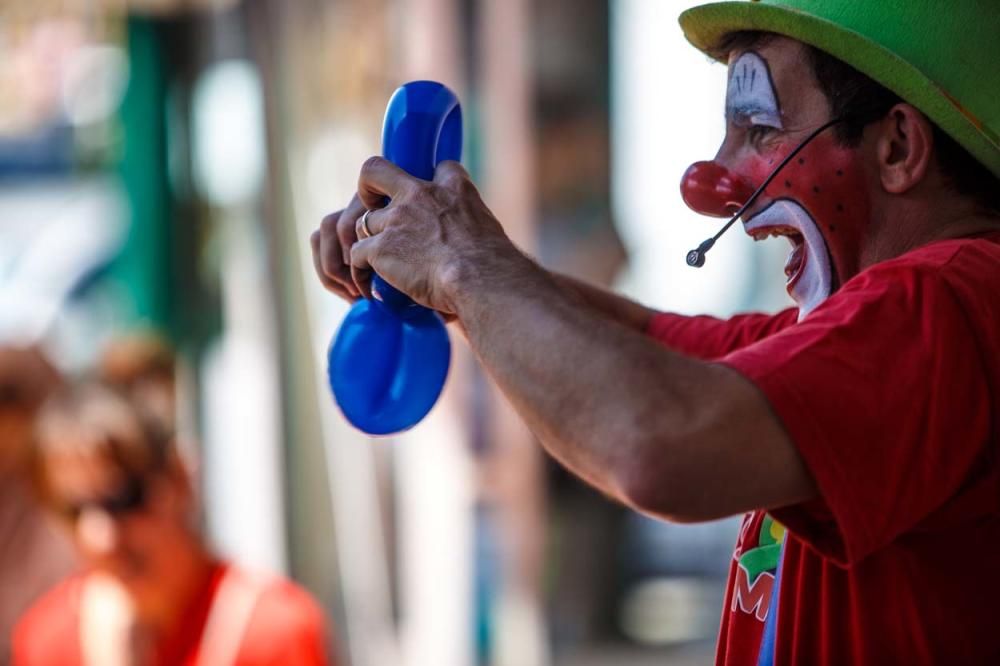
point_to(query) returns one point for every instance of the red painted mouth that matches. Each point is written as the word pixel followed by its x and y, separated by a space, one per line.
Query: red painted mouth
pixel 796 262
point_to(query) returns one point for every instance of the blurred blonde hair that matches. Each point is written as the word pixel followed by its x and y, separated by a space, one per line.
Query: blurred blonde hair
pixel 142 365
pixel 92 418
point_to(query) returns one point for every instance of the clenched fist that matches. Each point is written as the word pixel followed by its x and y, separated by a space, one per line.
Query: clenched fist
pixel 428 238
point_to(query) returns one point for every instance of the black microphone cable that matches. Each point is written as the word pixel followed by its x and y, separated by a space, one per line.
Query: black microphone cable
pixel 696 257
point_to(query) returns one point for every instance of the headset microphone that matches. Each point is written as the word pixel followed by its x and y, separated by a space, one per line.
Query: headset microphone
pixel 696 257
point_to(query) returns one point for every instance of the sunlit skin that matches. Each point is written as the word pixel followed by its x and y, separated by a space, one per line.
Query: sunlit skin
pixel 152 552
pixel 659 431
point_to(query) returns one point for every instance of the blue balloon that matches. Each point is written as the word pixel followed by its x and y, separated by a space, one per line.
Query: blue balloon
pixel 389 360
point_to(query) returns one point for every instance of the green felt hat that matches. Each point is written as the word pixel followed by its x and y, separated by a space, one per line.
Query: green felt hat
pixel 941 56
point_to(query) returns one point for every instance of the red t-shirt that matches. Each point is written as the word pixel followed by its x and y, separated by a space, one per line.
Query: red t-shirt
pixel 283 625
pixel 890 391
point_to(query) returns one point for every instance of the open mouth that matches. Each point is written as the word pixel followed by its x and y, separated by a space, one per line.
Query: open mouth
pixel 796 261
pixel 808 269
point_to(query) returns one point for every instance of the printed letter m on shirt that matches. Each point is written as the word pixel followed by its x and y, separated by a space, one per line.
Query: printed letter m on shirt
pixel 753 599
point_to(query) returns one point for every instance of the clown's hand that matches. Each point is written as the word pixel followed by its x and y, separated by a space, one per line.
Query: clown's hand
pixel 431 238
pixel 331 250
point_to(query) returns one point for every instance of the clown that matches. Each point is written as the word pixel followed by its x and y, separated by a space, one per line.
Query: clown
pixel 712 189
pixel 857 431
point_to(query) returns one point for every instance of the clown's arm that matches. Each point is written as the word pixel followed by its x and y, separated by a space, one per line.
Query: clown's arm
pixel 659 431
pixel 701 336
pixel 609 304
pixel 662 432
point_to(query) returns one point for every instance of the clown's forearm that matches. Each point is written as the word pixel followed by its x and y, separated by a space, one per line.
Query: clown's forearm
pixel 614 306
pixel 656 430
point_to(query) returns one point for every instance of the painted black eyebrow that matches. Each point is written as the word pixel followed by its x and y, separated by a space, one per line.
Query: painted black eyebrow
pixel 753 78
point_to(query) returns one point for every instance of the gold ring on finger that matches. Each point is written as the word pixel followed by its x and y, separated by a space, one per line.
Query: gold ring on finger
pixel 363 227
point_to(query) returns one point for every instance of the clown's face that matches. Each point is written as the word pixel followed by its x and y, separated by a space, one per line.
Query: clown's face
pixel 818 202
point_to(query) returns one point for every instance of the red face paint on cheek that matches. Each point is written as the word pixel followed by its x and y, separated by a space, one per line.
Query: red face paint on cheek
pixel 827 180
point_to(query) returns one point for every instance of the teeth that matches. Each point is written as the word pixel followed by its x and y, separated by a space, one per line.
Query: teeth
pixel 764 234
pixel 775 232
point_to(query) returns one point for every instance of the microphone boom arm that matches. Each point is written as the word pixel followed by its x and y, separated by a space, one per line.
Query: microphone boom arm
pixel 696 257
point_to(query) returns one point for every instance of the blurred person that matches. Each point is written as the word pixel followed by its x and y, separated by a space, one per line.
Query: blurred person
pixel 151 592
pixel 142 365
pixel 856 431
pixel 33 554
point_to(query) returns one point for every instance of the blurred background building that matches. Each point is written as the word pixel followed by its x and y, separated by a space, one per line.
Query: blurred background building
pixel 162 163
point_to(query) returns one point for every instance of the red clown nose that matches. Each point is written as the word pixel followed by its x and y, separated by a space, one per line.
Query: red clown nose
pixel 709 188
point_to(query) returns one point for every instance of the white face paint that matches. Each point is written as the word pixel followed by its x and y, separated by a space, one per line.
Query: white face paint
pixel 752 101
pixel 810 276
pixel 750 96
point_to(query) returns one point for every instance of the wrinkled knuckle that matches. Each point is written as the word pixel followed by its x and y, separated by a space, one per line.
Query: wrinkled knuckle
pixel 457 184
pixel 454 180
pixel 371 163
pixel 329 223
pixel 346 222
pixel 361 260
